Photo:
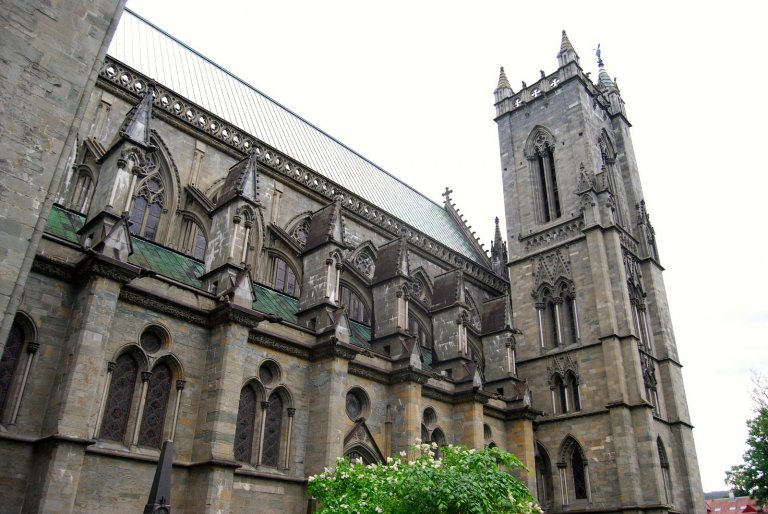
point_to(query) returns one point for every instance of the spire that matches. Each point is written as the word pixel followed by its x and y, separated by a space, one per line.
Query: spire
pixel 603 79
pixel 499 256
pixel 242 182
pixel 504 88
pixel 503 81
pixel 567 53
pixel 136 124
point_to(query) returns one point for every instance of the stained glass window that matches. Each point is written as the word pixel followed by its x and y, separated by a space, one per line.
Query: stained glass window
pixel 246 420
pixel 355 307
pixel 155 407
pixel 119 398
pixel 270 454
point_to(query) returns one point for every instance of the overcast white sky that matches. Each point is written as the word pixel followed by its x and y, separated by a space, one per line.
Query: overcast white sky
pixel 409 85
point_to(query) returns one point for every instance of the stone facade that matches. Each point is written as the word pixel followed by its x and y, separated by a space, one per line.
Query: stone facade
pixel 188 286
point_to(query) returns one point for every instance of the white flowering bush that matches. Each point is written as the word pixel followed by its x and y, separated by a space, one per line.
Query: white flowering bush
pixel 462 481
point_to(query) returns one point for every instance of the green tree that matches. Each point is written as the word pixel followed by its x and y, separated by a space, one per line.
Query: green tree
pixel 461 481
pixel 752 476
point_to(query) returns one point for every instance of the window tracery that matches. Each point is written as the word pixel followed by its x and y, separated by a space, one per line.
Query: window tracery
pixel 270 454
pixel 364 263
pixel 246 424
pixel 301 232
pixel 540 154
pixel 120 398
pixel 574 481
pixel 155 407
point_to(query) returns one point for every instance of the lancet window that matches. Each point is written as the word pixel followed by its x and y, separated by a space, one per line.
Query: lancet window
pixel 148 206
pixel 246 424
pixel 81 193
pixel 270 453
pixel 664 463
pixel 193 240
pixel 540 153
pixel 15 365
pixel 155 406
pixel 120 398
pixel 574 472
pixel 557 315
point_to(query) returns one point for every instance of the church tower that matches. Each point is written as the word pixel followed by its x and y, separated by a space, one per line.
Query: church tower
pixel 597 346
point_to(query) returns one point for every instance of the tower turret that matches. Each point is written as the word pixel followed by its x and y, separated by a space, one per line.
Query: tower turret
pixel 567 52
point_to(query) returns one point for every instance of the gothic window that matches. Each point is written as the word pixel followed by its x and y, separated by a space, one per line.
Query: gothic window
pixel 147 207
pixel 357 404
pixel 552 323
pixel 193 240
pixel 155 407
pixel 363 262
pixel 541 156
pixel 81 193
pixel 359 454
pixel 649 379
pixel 438 437
pixel 574 474
pixel 544 486
pixel 9 362
pixel 664 462
pixel 572 385
pixel 284 278
pixel 13 362
pixel 417 330
pixel 579 476
pixel 570 329
pixel 246 424
pixel 300 232
pixel 119 398
pixel 356 309
pixel 270 453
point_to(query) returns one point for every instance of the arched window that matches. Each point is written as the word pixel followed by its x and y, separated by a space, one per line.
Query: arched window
pixel 356 309
pixel 283 278
pixel 193 240
pixel 544 487
pixel 539 150
pixel 147 207
pixel 246 424
pixel 579 476
pixel 14 367
pixel 664 462
pixel 361 454
pixel 574 475
pixel 572 386
pixel 155 407
pixel 270 453
pixel 119 399
pixel 81 193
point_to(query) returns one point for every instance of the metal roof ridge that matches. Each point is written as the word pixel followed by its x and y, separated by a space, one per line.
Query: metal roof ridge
pixel 286 109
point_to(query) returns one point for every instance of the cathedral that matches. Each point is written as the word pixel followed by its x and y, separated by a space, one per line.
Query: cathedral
pixel 206 267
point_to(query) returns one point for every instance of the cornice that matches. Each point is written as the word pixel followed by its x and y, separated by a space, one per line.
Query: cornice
pixel 186 114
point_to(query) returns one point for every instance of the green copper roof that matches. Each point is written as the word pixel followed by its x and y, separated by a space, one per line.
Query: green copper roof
pixel 360 334
pixel 167 61
pixel 270 301
pixel 166 262
pixel 64 224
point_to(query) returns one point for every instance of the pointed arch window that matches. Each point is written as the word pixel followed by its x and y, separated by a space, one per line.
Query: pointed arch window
pixel 81 193
pixel 544 487
pixel 284 278
pixel 14 367
pixel 155 407
pixel 270 453
pixel 119 398
pixel 540 153
pixel 246 424
pixel 664 462
pixel 356 309
pixel 148 207
pixel 574 472
pixel 579 476
pixel 193 240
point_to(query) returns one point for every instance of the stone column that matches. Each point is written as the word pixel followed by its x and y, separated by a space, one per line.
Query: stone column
pixel 328 383
pixel 212 476
pixel 74 409
pixel 521 442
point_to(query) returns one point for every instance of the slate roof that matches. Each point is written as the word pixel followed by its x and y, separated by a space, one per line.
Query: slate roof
pixel 152 52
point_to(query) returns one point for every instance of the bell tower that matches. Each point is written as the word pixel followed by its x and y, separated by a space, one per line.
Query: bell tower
pixel 597 346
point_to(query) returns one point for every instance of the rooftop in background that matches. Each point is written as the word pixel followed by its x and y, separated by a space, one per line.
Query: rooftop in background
pixel 150 51
pixel 732 505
